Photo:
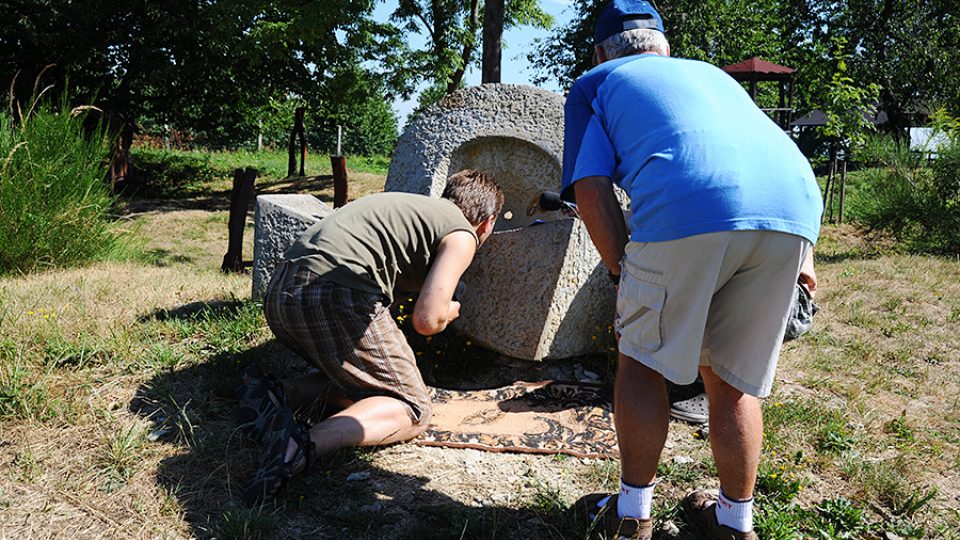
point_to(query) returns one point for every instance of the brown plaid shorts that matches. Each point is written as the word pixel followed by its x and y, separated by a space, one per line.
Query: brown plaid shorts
pixel 348 334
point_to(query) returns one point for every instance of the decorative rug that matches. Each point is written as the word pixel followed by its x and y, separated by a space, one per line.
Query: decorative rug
pixel 548 417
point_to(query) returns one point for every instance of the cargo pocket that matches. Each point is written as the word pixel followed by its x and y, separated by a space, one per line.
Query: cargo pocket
pixel 639 305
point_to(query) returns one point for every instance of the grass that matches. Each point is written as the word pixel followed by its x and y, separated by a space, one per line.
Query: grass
pixel 117 408
pixel 54 204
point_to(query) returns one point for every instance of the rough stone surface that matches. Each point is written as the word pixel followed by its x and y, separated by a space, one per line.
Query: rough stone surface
pixel 533 292
pixel 513 132
pixel 538 292
pixel 278 221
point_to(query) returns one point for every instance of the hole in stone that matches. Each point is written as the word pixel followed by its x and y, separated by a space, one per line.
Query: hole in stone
pixel 522 169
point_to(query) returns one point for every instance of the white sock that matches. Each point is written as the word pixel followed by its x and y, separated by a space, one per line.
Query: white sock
pixel 635 501
pixel 734 513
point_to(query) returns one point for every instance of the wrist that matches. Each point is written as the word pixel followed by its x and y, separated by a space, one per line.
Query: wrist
pixel 614 278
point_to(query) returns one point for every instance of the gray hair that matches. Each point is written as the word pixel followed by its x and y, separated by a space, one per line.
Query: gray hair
pixel 636 41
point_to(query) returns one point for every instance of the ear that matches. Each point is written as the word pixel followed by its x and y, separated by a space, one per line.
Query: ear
pixel 485 227
pixel 599 54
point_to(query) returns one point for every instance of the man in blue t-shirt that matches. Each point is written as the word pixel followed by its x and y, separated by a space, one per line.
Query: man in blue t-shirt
pixel 724 210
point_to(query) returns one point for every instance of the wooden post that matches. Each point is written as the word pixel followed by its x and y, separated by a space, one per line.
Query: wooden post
pixel 303 139
pixel 120 160
pixel 240 198
pixel 843 183
pixel 291 153
pixel 338 164
pixel 828 187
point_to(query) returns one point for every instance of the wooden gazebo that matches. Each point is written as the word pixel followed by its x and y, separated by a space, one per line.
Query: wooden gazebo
pixel 757 69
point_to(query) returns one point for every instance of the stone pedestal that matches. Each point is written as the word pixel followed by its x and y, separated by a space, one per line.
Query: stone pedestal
pixel 534 291
pixel 278 221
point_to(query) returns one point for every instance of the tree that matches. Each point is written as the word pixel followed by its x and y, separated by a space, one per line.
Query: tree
pixel 452 28
pixel 716 31
pixel 201 66
pixel 911 49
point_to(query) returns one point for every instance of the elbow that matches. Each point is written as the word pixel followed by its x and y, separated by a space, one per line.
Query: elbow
pixel 427 326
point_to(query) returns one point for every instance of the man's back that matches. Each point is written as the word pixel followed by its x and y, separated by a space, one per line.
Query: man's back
pixel 379 243
pixel 691 149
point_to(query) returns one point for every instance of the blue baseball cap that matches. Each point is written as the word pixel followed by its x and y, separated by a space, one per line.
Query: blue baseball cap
pixel 622 15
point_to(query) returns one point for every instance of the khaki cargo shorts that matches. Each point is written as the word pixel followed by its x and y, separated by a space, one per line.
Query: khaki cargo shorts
pixel 719 299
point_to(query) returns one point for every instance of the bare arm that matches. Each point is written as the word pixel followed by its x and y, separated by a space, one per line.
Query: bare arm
pixel 603 217
pixel 808 276
pixel 435 307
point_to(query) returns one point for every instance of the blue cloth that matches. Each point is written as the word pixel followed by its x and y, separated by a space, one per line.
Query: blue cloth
pixel 690 148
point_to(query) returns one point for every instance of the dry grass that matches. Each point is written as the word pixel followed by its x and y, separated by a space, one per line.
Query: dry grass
pixel 116 410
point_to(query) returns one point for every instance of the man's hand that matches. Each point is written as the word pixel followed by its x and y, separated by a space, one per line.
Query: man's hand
pixel 808 276
pixel 454 311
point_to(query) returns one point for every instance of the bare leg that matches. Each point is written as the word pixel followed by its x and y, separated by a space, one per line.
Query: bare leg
pixel 641 414
pixel 370 421
pixel 736 434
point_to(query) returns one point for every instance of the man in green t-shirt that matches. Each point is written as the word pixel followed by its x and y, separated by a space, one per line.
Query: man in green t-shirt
pixel 329 301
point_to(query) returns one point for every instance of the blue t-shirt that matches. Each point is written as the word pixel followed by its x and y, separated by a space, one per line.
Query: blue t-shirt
pixel 690 148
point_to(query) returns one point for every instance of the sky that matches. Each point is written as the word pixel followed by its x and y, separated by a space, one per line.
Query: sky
pixel 517 43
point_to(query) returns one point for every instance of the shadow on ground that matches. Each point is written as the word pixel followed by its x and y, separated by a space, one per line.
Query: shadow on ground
pixel 344 496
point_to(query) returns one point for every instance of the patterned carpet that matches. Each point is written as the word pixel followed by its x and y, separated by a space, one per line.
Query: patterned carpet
pixel 545 417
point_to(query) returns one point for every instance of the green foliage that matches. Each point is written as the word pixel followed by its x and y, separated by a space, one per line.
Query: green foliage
pixel 54 203
pixel 246 524
pixel 916 202
pixel 204 67
pixel 907 49
pixel 839 519
pixel 717 31
pixel 453 33
pixel 164 174
pixel 23 392
pixel 845 104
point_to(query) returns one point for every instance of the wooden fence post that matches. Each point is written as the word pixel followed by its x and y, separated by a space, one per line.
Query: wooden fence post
pixel 240 198
pixel 338 164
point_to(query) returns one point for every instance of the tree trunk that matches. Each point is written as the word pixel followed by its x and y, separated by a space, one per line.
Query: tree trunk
pixel 492 40
pixel 467 53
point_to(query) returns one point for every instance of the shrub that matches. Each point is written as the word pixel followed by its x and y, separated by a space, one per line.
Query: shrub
pixel 168 174
pixel 915 201
pixel 54 202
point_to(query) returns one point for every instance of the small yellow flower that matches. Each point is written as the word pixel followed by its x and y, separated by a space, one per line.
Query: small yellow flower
pixel 774 475
pixel 469 343
pixel 30 312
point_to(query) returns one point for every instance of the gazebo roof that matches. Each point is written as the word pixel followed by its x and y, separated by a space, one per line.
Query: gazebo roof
pixel 758 65
pixel 758 69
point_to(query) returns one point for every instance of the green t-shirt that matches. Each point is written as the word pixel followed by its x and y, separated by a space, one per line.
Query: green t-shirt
pixel 380 243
